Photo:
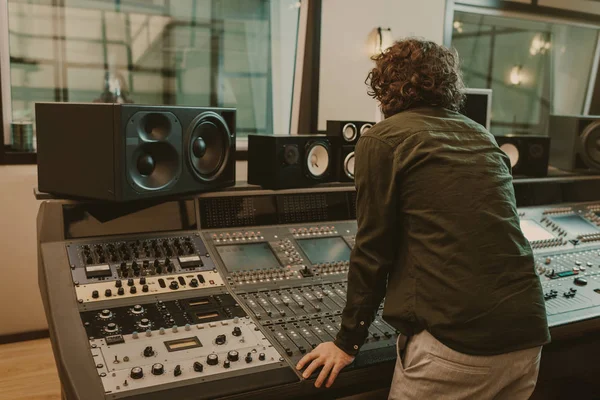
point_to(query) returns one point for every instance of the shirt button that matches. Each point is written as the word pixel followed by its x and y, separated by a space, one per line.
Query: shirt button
pixel 355 347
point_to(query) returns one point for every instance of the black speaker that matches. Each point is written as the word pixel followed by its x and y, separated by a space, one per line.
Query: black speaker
pixel 348 131
pixel 122 152
pixel 575 142
pixel 285 162
pixel 528 154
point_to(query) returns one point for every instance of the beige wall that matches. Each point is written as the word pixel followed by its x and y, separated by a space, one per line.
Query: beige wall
pixel 21 307
pixel 347 35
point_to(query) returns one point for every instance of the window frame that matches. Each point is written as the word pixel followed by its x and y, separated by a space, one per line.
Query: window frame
pixel 7 156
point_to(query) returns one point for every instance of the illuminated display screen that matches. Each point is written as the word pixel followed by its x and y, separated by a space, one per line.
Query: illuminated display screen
pixel 183 344
pixel 248 257
pixel 533 231
pixel 575 224
pixel 324 250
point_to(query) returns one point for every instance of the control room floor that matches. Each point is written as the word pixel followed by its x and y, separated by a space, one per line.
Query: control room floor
pixel 28 372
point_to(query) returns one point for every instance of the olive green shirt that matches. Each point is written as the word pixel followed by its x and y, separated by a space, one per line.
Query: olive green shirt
pixel 439 237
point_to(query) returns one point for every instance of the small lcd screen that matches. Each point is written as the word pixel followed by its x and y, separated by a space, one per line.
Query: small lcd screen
pixel 248 257
pixel 575 224
pixel 183 344
pixel 533 231
pixel 324 250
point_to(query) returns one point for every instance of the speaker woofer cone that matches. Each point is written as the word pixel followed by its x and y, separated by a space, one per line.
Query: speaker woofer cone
pixel 349 165
pixel 590 139
pixel 154 165
pixel 317 160
pixel 209 146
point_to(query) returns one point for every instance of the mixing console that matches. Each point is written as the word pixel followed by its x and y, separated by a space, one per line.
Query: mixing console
pixel 232 307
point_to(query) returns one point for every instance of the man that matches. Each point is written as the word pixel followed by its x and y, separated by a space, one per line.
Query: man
pixel 439 238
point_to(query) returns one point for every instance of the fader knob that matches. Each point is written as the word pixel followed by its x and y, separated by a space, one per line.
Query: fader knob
pixel 158 369
pixel 233 355
pixel 136 373
pixel 221 339
pixel 237 331
pixel 148 351
pixel 212 359
pixel 198 367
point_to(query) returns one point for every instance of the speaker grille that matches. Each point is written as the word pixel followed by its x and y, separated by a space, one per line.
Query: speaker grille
pixel 209 146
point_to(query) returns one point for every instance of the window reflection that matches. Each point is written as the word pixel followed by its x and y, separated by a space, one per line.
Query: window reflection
pixel 534 68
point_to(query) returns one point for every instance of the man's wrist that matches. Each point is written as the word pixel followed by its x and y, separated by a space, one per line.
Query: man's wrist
pixel 346 347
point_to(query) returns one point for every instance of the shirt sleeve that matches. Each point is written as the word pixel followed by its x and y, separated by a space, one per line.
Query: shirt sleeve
pixel 374 250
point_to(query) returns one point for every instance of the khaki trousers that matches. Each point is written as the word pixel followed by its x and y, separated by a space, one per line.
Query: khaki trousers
pixel 430 370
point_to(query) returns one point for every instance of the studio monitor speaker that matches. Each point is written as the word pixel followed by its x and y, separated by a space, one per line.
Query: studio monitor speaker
pixel 528 154
pixel 122 152
pixel 575 142
pixel 348 131
pixel 345 135
pixel 285 162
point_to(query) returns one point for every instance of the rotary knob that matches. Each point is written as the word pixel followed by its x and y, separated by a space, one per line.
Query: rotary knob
pixel 233 355
pixel 226 364
pixel 112 327
pixel 212 359
pixel 158 369
pixel 137 309
pixel 198 367
pixel 121 291
pixel 145 323
pixel 133 290
pixel 145 288
pixel 130 282
pixel 105 314
pixel 174 285
pixel 194 282
pixel 136 373
pixel 221 339
pixel 108 292
pixel 248 358
pixel 118 283
pixel 148 351
pixel 177 370
pixel 261 356
pixel 237 331
pixel 95 294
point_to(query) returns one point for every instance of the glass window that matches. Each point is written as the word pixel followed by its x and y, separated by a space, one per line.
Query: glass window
pixel 224 53
pixel 534 68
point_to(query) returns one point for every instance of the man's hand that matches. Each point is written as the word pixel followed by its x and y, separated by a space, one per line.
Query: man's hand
pixel 332 358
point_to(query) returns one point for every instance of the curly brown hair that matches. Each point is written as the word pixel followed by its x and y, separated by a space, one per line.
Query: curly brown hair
pixel 414 73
